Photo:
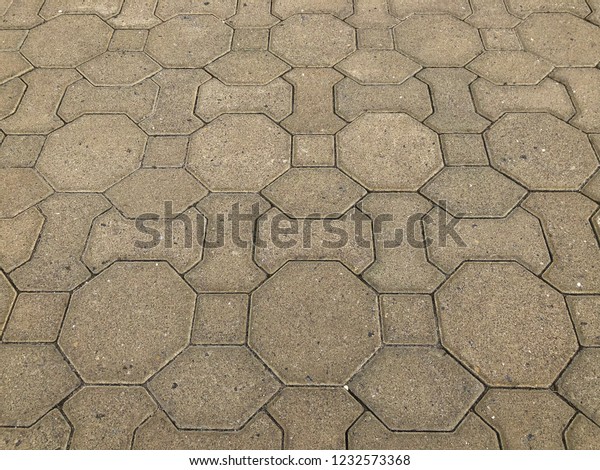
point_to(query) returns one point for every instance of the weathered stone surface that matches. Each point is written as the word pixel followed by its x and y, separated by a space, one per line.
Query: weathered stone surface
pixel 36 318
pixel 313 101
pixel 582 434
pixel 35 378
pixel 67 41
pixel 411 97
pixel 115 238
pixel 156 191
pixel 165 152
pixel 92 153
pixel 398 242
pixel 7 300
pixel 11 94
pixel 247 68
pixel 416 389
pixel 368 150
pixel 20 150
pixel 408 319
pixel 215 98
pixel 220 319
pixel 106 417
pixel 222 9
pixel 55 264
pixel 584 85
pixel 309 336
pixel 404 8
pixel 518 237
pixel 526 419
pixel 580 383
pixel 540 151
pixel 13 65
pixel 312 40
pixel 250 39
pixel 313 150
pixel 523 8
pixel 372 67
pixel 253 15
pixel 375 39
pixel 189 41
pixel 227 264
pixel 315 418
pixel 511 67
pixel 213 387
pixel 437 40
pixel 49 433
pixel 500 40
pixel 127 323
pixel 463 149
pixel 471 434
pixel 21 189
pixel 286 8
pixel 493 101
pixel 453 104
pixel 371 14
pixel 174 109
pixel 19 236
pixel 326 192
pixel 128 40
pixel 136 14
pixel 584 312
pixel 239 153
pixel 563 39
pixel 103 8
pixel 137 101
pixel 160 433
pixel 485 319
pixel 491 14
pixel 474 192
pixel 119 68
pixel 21 15
pixel 347 239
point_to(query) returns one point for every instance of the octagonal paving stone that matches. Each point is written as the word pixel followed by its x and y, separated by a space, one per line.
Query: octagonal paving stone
pixel 155 190
pixel 477 191
pixel 404 8
pixel 35 378
pixel 119 68
pixel 378 67
pixel 312 40
pixel 580 383
pixel 438 40
pixel 326 192
pixel 21 188
pixel 238 152
pixel 209 387
pixel 248 68
pixel 563 39
pixel 128 322
pixel 508 326
pixel 92 153
pixel 416 389
pixel 67 41
pixel 189 41
pixel 540 151
pixel 582 434
pixel 511 67
pixel 389 152
pixel 314 323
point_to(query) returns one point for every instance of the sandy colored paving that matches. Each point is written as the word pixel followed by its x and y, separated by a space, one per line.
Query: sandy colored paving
pixel 255 224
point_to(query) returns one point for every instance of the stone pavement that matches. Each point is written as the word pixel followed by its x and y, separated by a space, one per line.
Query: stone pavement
pixel 362 224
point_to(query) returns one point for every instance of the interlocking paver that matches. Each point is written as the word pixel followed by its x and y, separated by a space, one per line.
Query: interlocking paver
pixel 127 322
pixel 208 387
pixel 379 136
pixel 502 342
pixel 438 40
pixel 36 318
pixel 315 418
pixel 541 151
pixel 159 432
pixel 472 433
pixel 92 153
pixel 106 417
pixel 416 389
pixel 52 432
pixel 526 419
pixel 313 40
pixel 474 191
pixel 580 382
pixel 237 152
pixel 35 378
pixel 492 101
pixel 67 41
pixel 224 197
pixel 308 336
